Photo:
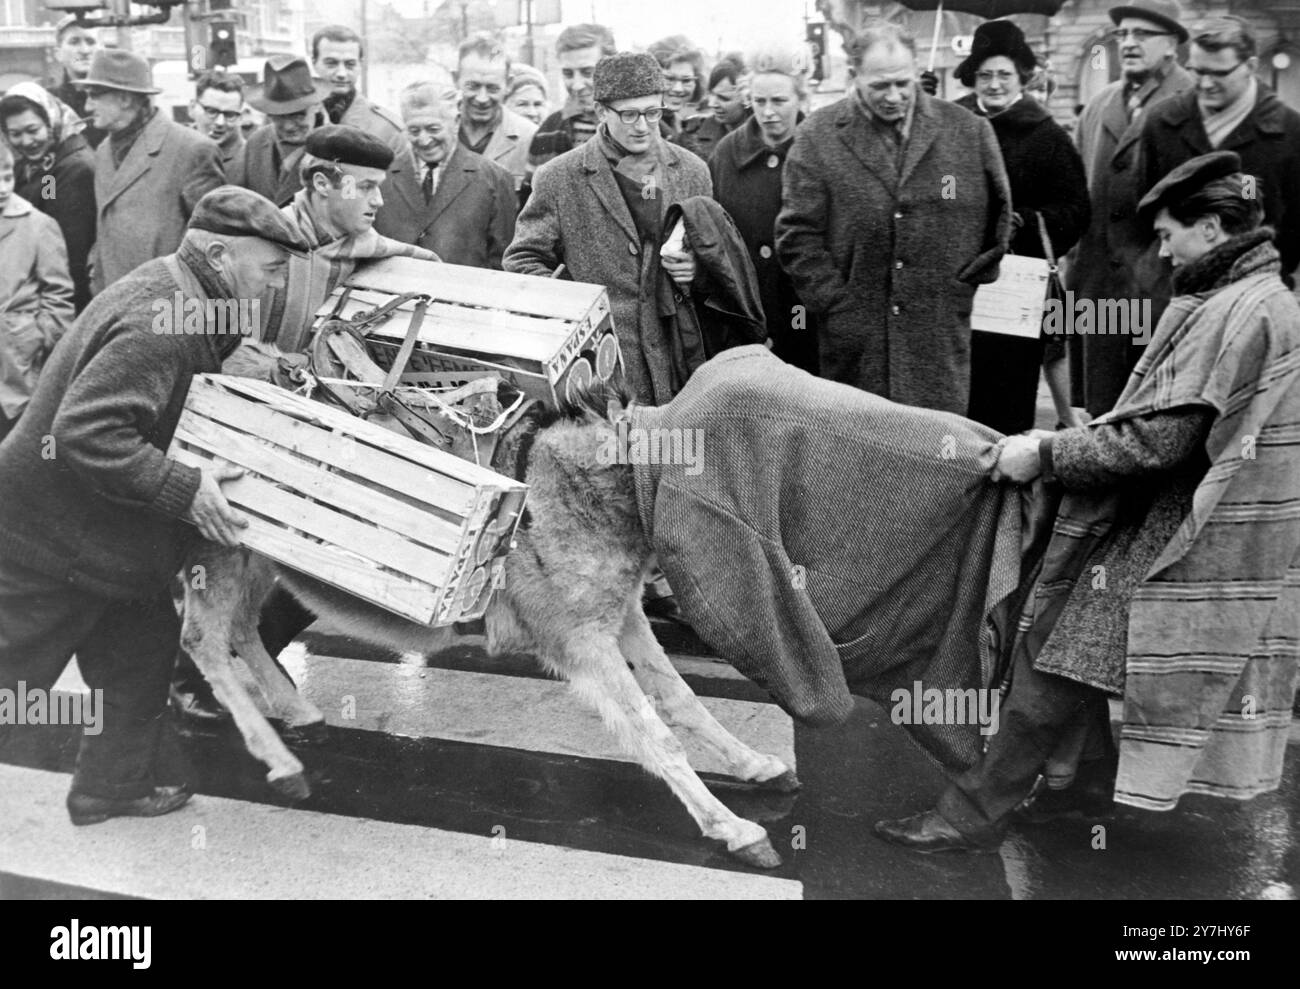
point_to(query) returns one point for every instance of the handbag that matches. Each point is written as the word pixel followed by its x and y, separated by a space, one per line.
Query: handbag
pixel 1014 304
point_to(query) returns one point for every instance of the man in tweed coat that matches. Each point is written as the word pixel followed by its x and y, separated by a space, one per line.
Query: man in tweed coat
pixel 896 206
pixel 599 210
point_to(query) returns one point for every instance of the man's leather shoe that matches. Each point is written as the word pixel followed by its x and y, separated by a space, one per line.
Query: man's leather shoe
pixel 85 809
pixel 929 832
pixel 198 706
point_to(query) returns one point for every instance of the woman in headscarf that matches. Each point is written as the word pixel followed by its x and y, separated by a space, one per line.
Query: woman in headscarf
pixel 1167 575
pixel 1047 183
pixel 55 171
pixel 746 169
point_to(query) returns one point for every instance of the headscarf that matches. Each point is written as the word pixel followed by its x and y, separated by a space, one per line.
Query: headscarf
pixel 64 121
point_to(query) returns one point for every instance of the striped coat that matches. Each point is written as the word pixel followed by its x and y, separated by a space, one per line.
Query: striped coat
pixel 1214 629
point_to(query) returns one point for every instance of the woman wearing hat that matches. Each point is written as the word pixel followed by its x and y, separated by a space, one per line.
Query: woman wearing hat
pixel 1047 183
pixel 1167 575
pixel 51 152
pixel 526 93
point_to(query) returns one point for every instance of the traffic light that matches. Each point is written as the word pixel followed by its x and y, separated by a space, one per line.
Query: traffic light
pixel 815 35
pixel 221 33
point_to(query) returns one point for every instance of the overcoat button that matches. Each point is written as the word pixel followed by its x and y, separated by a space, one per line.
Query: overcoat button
pixel 765 252
pixel 898 265
pixel 773 161
pixel 898 215
pixel 896 310
pixel 631 247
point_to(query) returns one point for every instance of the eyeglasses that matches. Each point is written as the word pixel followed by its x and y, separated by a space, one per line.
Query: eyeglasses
pixel 629 117
pixel 999 76
pixel 1213 73
pixel 1138 34
pixel 230 115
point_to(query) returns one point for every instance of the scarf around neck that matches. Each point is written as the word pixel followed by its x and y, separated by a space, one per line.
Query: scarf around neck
pixel 194 260
pixel 634 166
pixel 1219 266
pixel 121 142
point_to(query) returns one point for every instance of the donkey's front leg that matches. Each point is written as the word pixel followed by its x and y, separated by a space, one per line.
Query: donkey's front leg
pixel 681 709
pixel 281 696
pixel 592 663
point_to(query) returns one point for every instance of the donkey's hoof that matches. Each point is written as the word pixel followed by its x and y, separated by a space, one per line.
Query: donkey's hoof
pixel 294 786
pixel 760 854
pixel 787 782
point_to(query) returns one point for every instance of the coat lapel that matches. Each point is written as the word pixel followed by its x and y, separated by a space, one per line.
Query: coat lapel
pixel 138 160
pixel 600 175
pixel 857 134
pixel 404 186
pixel 455 180
pixel 924 131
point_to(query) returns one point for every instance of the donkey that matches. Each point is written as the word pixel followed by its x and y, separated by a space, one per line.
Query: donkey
pixel 571 597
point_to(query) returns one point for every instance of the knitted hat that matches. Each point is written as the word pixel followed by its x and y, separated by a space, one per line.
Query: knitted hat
pixel 994 38
pixel 627 75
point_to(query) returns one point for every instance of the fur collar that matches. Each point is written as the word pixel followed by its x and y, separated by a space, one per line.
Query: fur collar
pixel 1244 255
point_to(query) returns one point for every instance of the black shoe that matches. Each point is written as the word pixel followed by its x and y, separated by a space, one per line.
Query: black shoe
pixel 665 608
pixel 85 809
pixel 198 706
pixel 929 832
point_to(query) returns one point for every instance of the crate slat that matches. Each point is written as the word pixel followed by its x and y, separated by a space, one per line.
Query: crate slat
pixel 418 602
pixel 307 478
pixel 572 301
pixel 410 480
pixel 369 542
pixel 365 433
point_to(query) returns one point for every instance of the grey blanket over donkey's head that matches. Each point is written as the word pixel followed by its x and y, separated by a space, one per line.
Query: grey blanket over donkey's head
pixel 829 542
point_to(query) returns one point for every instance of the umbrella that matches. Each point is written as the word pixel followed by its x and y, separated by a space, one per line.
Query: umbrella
pixel 987 9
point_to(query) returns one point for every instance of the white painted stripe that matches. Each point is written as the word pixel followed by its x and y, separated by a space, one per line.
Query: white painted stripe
pixel 510 712
pixel 254 851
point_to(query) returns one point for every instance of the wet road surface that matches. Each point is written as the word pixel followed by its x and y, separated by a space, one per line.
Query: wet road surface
pixel 468 749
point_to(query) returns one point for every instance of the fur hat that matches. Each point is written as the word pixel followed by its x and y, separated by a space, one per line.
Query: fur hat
pixel 627 75
pixel 993 38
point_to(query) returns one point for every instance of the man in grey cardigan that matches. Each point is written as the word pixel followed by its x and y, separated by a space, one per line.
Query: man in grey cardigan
pixel 93 514
pixel 896 206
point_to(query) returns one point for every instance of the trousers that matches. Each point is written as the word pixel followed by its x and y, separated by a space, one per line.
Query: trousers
pixel 124 648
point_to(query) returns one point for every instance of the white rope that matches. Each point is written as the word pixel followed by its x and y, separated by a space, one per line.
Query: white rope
pixel 459 416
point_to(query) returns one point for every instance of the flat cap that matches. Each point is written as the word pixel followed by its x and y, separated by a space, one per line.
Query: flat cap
pixel 346 145
pixel 1184 180
pixel 627 75
pixel 1168 14
pixel 238 212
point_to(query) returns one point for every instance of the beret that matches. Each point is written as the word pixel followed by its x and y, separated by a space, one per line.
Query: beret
pixel 346 145
pixel 627 75
pixel 238 212
pixel 1189 177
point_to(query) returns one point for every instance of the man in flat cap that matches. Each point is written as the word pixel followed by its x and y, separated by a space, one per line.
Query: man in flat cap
pixel 292 100
pixel 600 210
pixel 93 514
pixel 149 172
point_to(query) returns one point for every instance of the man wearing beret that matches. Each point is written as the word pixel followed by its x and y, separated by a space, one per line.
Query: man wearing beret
pixel 93 514
pixel 1112 260
pixel 600 210
pixel 149 172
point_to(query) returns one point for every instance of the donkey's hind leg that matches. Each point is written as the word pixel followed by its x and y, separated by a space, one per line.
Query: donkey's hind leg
pixel 681 709
pixel 282 697
pixel 593 665
pixel 212 611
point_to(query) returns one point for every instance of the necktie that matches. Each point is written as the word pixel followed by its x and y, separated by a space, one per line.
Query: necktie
pixel 1134 105
pixel 427 185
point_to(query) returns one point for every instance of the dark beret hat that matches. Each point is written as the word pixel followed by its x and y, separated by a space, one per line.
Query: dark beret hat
pixel 1189 177
pixel 626 75
pixel 349 146
pixel 237 212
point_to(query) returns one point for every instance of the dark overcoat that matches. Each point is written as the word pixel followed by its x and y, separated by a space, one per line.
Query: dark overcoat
pixel 577 217
pixel 1113 260
pixel 747 183
pixel 66 191
pixel 471 218
pixel 891 258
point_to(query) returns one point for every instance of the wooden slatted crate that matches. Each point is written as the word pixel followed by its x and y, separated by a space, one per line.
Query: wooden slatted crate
pixel 397 523
pixel 545 336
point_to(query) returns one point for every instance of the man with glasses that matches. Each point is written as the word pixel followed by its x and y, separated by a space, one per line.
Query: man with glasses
pixel 1106 263
pixel 216 109
pixel 1230 110
pixel 599 209
pixel 487 127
